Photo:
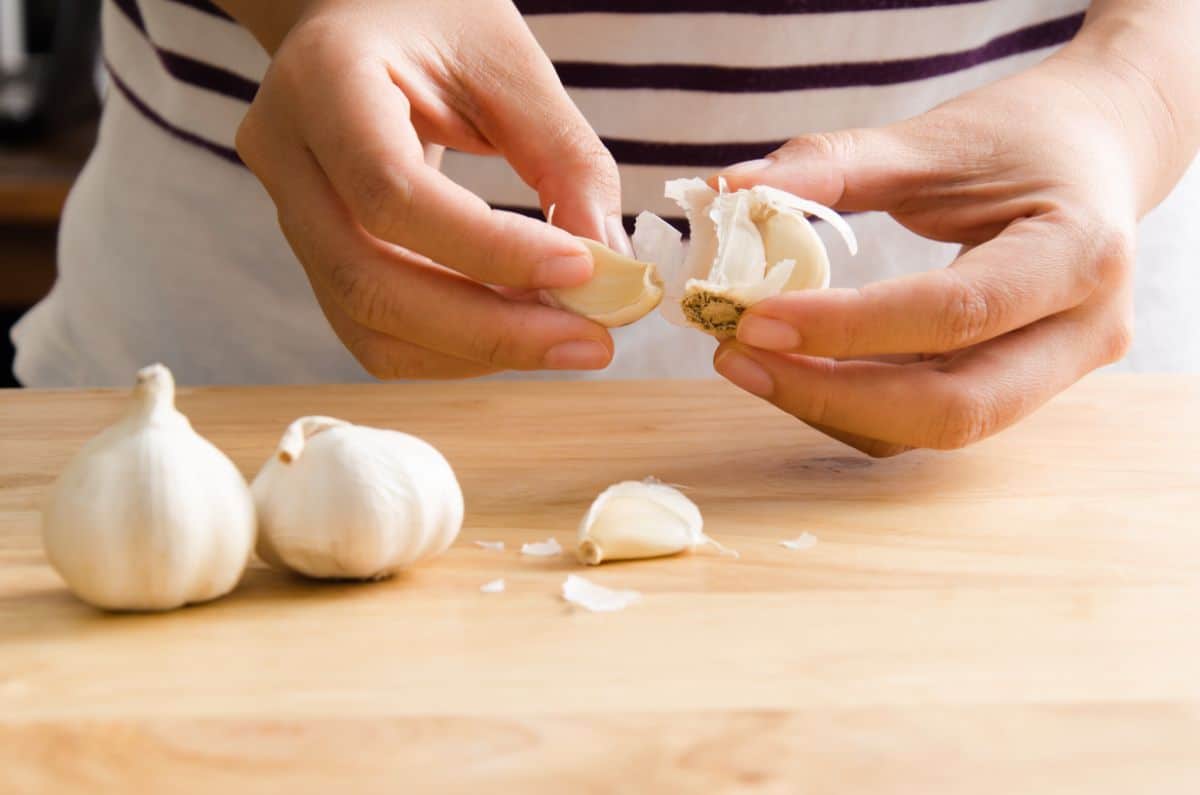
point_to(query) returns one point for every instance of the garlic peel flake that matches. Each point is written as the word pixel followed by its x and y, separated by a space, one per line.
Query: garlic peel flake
pixel 596 598
pixel 495 586
pixel 494 546
pixel 804 541
pixel 542 549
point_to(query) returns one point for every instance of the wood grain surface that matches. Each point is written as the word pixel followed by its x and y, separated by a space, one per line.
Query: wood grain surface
pixel 1022 616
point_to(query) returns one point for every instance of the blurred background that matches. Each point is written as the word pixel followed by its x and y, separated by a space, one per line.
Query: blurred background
pixel 50 83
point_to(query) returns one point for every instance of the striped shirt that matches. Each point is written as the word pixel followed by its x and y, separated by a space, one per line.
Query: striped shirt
pixel 674 88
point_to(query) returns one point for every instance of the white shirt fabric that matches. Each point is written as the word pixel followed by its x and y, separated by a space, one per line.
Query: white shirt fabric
pixel 169 253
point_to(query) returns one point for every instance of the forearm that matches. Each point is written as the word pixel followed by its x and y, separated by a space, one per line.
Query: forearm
pixel 269 22
pixel 1145 63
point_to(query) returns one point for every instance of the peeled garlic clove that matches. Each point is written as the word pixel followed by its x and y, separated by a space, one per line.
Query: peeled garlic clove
pixel 345 501
pixel 745 247
pixel 639 519
pixel 149 515
pixel 621 291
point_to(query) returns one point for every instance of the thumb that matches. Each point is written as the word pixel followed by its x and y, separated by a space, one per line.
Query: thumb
pixel 529 118
pixel 848 170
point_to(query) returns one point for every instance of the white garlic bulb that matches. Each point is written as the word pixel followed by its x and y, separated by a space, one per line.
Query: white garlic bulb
pixel 640 519
pixel 345 501
pixel 621 291
pixel 149 515
pixel 745 247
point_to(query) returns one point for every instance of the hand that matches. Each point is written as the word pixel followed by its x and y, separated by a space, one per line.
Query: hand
pixel 1042 178
pixel 411 269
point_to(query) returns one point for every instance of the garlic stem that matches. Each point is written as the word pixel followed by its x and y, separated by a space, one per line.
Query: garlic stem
pixel 154 392
pixel 300 431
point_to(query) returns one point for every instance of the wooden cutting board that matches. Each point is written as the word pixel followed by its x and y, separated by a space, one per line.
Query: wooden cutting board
pixel 1023 616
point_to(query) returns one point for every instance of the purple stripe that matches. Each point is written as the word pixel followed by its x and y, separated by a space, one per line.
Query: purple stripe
pixel 657 153
pixel 131 10
pixel 205 6
pixel 203 75
pixel 759 7
pixel 189 70
pixel 696 77
pixel 223 152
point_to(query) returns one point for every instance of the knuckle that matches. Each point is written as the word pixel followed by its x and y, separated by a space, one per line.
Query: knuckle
pixel 965 318
pixel 1119 340
pixel 382 203
pixel 1108 250
pixel 967 417
pixel 493 346
pixel 362 298
pixel 373 357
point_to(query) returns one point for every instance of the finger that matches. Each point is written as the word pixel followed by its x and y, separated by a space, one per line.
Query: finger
pixel 1036 268
pixel 388 358
pixel 871 447
pixel 849 170
pixel 523 110
pixel 391 292
pixel 939 404
pixel 364 141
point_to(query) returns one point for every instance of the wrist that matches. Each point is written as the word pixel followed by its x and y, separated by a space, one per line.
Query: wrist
pixel 1139 76
pixel 269 22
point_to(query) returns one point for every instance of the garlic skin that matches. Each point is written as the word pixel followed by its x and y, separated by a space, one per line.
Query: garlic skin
pixel 745 247
pixel 640 519
pixel 149 515
pixel 343 501
pixel 621 291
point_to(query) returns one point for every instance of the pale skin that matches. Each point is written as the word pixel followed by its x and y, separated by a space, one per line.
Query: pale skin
pixel 1041 177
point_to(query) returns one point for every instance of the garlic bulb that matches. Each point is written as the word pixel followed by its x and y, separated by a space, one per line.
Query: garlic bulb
pixel 640 519
pixel 621 290
pixel 349 502
pixel 149 515
pixel 745 246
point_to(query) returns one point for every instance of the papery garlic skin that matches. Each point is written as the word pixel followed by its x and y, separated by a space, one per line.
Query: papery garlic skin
pixel 149 515
pixel 621 291
pixel 639 519
pixel 746 246
pixel 343 501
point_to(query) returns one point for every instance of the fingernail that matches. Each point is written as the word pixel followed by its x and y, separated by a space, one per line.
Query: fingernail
pixel 747 168
pixel 767 333
pixel 618 240
pixel 745 372
pixel 564 271
pixel 578 355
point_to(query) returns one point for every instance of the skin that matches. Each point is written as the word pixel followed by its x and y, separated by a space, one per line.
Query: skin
pixel 1042 178
pixel 419 277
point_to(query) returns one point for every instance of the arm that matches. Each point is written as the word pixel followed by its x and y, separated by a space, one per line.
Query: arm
pixel 1042 178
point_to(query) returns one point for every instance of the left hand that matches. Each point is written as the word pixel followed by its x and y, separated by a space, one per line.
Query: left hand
pixel 1039 177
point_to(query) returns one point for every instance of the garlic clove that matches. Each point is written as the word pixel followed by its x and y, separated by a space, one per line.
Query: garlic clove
pixel 791 238
pixel 621 291
pixel 639 519
pixel 149 515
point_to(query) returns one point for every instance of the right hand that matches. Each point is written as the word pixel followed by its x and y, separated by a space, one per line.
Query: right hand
pixel 418 277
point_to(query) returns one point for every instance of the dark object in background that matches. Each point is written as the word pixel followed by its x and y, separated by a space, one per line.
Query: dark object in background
pixel 48 111
pixel 62 38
